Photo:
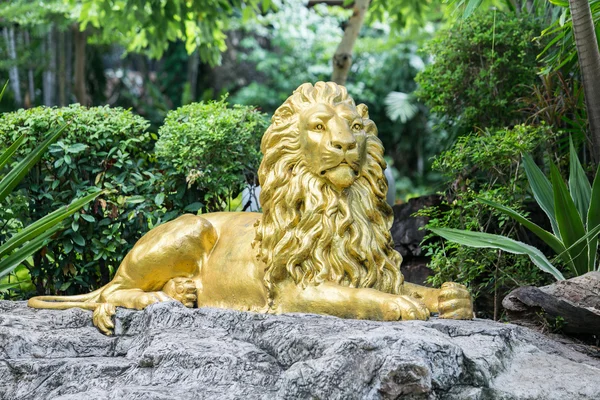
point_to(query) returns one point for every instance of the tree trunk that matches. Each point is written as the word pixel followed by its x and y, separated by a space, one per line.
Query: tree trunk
pixel 576 301
pixel 30 76
pixel 80 39
pixel 69 65
pixel 192 75
pixel 342 59
pixel 589 63
pixel 62 73
pixel 13 72
pixel 49 83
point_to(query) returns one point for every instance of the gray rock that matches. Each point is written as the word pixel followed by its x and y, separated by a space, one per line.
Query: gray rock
pixel 168 352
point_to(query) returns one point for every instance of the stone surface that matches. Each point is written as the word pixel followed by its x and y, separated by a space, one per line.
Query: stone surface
pixel 576 301
pixel 170 352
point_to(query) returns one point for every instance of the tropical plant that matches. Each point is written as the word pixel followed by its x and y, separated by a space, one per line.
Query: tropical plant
pixel 485 164
pixel 574 215
pixel 29 240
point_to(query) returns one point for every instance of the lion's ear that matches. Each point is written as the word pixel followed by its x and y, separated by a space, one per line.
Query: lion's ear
pixel 363 110
pixel 282 114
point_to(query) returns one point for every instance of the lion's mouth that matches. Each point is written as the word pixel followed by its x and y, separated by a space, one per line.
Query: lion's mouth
pixel 344 163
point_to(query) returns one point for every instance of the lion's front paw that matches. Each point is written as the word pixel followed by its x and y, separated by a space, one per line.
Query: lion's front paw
pixel 182 290
pixel 405 308
pixel 455 302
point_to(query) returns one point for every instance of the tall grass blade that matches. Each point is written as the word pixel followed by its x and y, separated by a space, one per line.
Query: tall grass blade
pixel 45 223
pixel 13 178
pixel 542 191
pixel 8 264
pixel 8 153
pixel 579 186
pixel 471 7
pixel 593 220
pixel 569 222
pixel 6 286
pixel 3 90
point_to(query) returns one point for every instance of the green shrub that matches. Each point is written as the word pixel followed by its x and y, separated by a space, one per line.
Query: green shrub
pixel 209 151
pixel 101 146
pixel 485 165
pixel 574 215
pixel 481 69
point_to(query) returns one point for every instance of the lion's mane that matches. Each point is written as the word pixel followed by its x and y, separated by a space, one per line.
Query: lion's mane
pixel 309 231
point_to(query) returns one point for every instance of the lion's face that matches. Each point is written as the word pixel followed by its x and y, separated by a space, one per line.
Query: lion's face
pixel 332 138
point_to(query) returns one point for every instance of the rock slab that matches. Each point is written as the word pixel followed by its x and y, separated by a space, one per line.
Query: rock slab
pixel 168 351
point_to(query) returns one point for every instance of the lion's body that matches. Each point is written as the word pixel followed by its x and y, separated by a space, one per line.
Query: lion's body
pixel 234 258
pixel 322 244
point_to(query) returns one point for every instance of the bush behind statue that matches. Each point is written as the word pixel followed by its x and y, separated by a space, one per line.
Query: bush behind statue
pixel 106 147
pixel 209 151
pixel 485 165
pixel 481 69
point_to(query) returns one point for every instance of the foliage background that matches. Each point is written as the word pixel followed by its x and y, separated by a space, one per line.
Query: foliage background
pixel 208 153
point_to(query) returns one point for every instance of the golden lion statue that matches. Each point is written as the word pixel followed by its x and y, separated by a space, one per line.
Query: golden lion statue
pixel 322 244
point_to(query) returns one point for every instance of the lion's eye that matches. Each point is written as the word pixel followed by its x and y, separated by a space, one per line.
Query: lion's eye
pixel 357 127
pixel 319 127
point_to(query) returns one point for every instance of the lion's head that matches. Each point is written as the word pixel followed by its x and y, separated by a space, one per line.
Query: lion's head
pixel 325 216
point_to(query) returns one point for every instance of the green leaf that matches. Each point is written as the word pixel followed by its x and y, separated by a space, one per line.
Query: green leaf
pixel 88 217
pixel 78 239
pixel 560 3
pixel 471 6
pixel 13 178
pixel 247 14
pixel 590 235
pixel 76 148
pixel 569 222
pixel 3 89
pixel 67 247
pixel 159 199
pixel 135 199
pixel 194 207
pixel 5 286
pixel 581 190
pixel 8 153
pixel 593 219
pixel 486 240
pixel 542 190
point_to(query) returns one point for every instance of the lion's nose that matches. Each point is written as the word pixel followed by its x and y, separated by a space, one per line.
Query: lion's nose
pixel 343 141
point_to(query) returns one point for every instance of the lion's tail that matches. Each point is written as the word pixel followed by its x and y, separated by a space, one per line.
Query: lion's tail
pixel 87 301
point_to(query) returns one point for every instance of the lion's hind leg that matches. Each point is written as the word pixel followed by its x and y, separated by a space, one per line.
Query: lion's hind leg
pixel 128 298
pixel 178 289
